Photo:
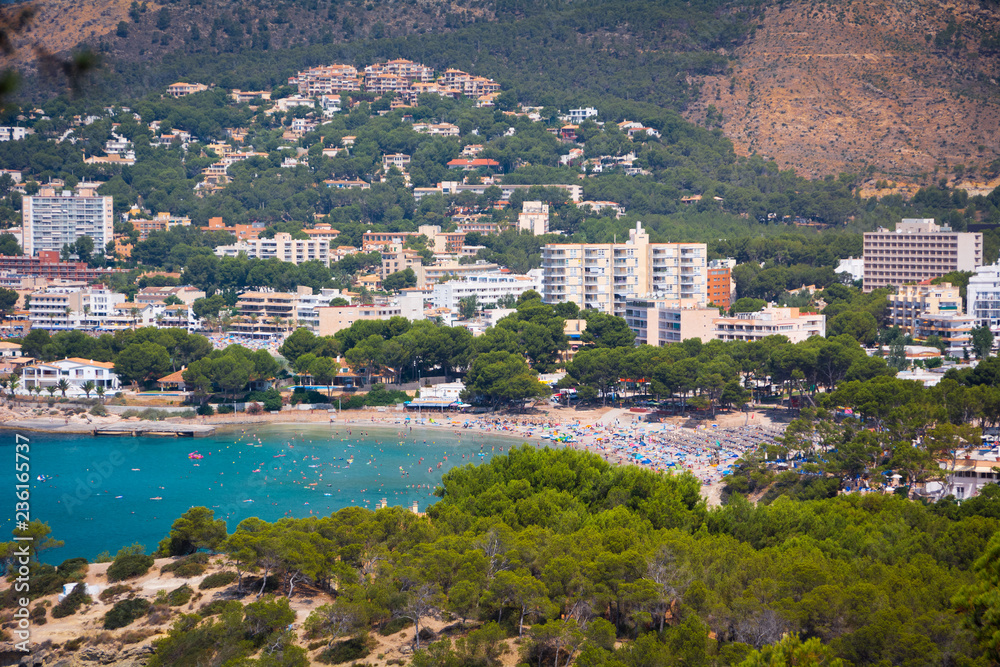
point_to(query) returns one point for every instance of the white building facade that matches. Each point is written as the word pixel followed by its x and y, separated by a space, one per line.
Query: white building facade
pixel 983 296
pixel 487 288
pixel 52 220
pixel 64 308
pixel 795 325
pixel 77 372
pixel 604 276
pixel 282 246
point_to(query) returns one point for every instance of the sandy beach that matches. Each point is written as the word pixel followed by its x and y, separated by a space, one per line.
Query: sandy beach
pixel 705 448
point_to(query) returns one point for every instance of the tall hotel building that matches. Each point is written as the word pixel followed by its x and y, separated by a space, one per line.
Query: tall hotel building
pixel 603 276
pixel 52 219
pixel 918 250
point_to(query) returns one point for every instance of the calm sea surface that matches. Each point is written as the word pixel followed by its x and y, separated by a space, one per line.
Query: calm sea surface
pixel 102 493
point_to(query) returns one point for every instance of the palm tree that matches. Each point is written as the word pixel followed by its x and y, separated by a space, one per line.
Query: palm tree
pixel 63 385
pixel 15 382
pixel 88 387
pixel 100 393
pixel 134 312
pixel 51 389
pixel 37 389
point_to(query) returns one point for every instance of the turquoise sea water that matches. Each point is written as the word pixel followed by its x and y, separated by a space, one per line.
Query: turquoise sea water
pixel 102 493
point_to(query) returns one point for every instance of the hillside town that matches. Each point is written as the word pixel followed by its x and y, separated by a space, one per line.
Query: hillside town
pixel 428 367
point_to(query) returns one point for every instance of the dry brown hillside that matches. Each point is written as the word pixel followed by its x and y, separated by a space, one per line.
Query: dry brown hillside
pixel 826 88
pixel 59 25
pixel 147 37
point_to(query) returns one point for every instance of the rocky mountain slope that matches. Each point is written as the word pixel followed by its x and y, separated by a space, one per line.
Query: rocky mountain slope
pixel 142 32
pixel 904 87
pixel 905 91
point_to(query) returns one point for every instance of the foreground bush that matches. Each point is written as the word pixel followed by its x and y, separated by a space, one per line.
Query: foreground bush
pixel 129 566
pixel 125 613
pixel 217 580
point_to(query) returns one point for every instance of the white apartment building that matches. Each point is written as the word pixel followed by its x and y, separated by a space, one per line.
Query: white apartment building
pixel 604 276
pixel 176 317
pixel 282 247
pixel 918 250
pixel 573 190
pixel 983 295
pixel 51 220
pixel 577 116
pixel 791 323
pixel 157 295
pixel 437 129
pixel 487 288
pixel 534 218
pixel 75 371
pixel 306 309
pixel 63 308
pixel 665 321
pixel 14 133
pixel 954 329
pixel 852 266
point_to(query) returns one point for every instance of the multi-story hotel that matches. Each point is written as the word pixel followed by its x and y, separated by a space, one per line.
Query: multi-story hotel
pixel 604 276
pixel 282 247
pixel 954 329
pixel 791 323
pixel 665 321
pixel 52 220
pixel 487 288
pixel 63 308
pixel 916 251
pixel 914 302
pixel 983 294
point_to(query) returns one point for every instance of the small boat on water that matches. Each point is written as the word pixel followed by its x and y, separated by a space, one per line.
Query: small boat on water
pixel 43 478
pixel 156 498
pixel 195 456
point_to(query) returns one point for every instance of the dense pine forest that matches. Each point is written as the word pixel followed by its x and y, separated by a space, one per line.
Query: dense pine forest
pixel 589 564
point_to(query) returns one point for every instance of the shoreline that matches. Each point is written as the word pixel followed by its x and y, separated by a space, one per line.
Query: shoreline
pixel 618 436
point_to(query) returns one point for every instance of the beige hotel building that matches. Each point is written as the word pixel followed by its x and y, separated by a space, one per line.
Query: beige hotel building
pixel 918 250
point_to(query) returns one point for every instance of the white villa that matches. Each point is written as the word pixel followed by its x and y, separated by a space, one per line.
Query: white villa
pixel 74 370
